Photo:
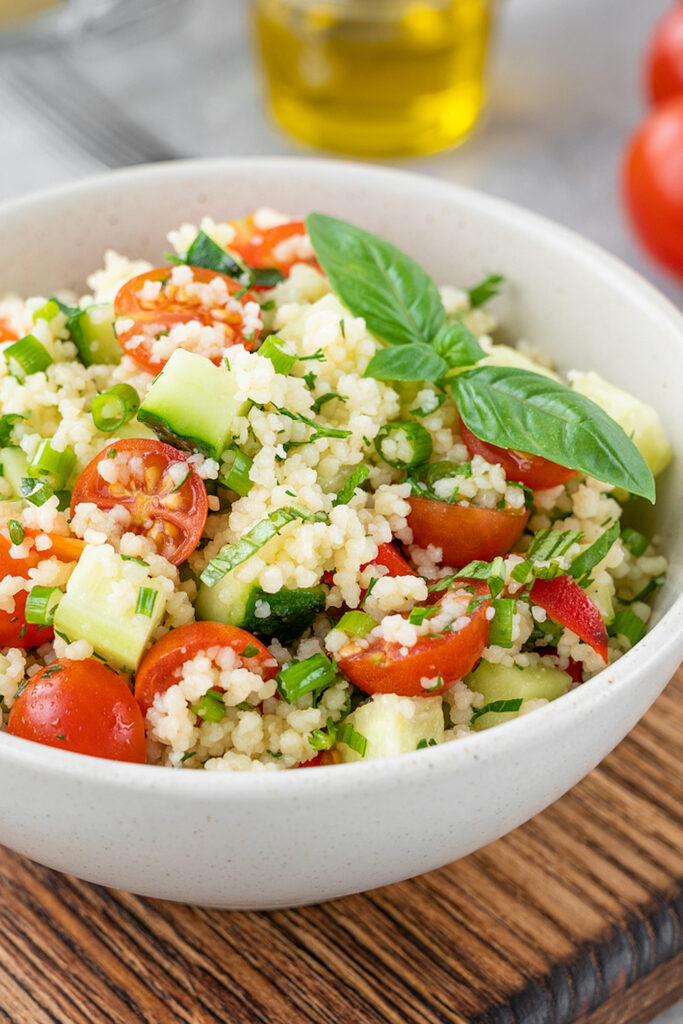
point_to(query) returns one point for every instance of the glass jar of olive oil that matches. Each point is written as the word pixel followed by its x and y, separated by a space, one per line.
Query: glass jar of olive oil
pixel 375 77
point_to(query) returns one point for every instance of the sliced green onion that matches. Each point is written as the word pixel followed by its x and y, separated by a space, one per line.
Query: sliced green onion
pixel 348 489
pixel 51 465
pixel 418 615
pixel 356 623
pixel 635 542
pixel 210 707
pixel 238 466
pixel 52 307
pixel 493 572
pixel 427 409
pixel 347 734
pixel 414 436
pixel 300 677
pixel 16 532
pixel 41 605
pixel 583 564
pixel 37 492
pixel 27 356
pixel 232 555
pixel 112 408
pixel 552 543
pixel 520 573
pixel 627 623
pixel 6 425
pixel 323 739
pixel 272 348
pixel 497 707
pixel 146 600
pixel 648 589
pixel 500 626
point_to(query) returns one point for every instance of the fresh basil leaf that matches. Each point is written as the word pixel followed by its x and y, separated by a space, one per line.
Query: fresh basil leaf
pixel 406 362
pixel 518 409
pixel 204 252
pixel 457 345
pixel 485 290
pixel 374 279
pixel 265 277
pixel 583 564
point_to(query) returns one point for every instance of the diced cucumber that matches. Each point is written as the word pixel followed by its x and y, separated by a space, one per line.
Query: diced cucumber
pixel 601 594
pixel 505 682
pixel 289 613
pixel 92 332
pixel 505 355
pixel 641 422
pixel 14 463
pixel 193 404
pixel 134 429
pixel 395 725
pixel 100 606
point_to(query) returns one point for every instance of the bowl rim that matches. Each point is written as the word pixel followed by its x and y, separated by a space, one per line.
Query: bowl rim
pixel 665 638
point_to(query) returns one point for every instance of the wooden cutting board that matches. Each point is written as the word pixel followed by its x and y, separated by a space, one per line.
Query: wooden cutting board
pixel 575 918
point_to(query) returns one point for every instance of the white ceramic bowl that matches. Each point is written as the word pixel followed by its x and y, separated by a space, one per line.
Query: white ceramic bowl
pixel 281 839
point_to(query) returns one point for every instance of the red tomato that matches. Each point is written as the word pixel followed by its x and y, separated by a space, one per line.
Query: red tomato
pixel 567 603
pixel 573 669
pixel 463 532
pixel 66 549
pixel 153 318
pixel 171 514
pixel 81 706
pixel 382 668
pixel 653 183
pixel 14 631
pixel 531 470
pixel 258 247
pixel 161 666
pixel 664 62
pixel 387 556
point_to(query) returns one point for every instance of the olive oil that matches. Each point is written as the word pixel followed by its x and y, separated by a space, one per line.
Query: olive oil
pixel 375 77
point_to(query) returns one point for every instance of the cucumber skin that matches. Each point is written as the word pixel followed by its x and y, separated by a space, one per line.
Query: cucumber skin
pixel 165 433
pixel 84 332
pixel 292 612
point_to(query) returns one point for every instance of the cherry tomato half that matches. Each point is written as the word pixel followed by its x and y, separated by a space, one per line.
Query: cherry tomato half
pixel 531 470
pixel 143 322
pixel 81 706
pixel 653 183
pixel 382 668
pixel 464 532
pixel 567 603
pixel 280 246
pixel 14 631
pixel 664 62
pixel 161 666
pixel 137 475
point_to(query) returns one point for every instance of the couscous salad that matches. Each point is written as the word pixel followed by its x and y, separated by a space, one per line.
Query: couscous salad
pixel 283 502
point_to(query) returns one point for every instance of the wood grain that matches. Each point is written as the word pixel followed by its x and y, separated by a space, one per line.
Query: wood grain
pixel 576 918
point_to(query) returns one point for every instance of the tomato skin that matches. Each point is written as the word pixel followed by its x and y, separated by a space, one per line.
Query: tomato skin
pixel 258 246
pixel 565 601
pixel 6 332
pixel 14 630
pixel 161 665
pixel 463 532
pixel 166 312
pixel 530 470
pixel 381 668
pixel 652 183
pixel 173 516
pixel 87 704
pixel 387 556
pixel 664 62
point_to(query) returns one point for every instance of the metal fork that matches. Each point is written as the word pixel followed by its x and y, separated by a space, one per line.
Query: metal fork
pixel 70 105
